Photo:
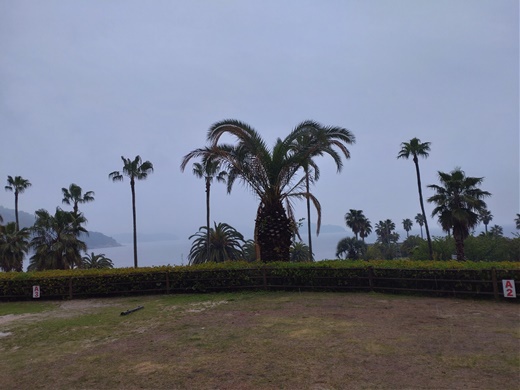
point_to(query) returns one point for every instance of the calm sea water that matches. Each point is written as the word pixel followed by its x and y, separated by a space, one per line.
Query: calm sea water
pixel 175 252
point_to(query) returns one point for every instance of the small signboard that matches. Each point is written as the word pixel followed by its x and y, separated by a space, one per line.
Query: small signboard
pixel 509 288
pixel 36 291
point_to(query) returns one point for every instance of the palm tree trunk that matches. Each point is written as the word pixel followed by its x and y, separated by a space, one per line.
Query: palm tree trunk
pixel 207 218
pixel 309 216
pixel 132 186
pixel 459 244
pixel 274 232
pixel 416 161
pixel 16 209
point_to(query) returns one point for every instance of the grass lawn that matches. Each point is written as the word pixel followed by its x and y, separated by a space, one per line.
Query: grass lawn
pixel 261 340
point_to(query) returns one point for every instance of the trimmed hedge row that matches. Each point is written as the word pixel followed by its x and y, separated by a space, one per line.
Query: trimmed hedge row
pixel 410 277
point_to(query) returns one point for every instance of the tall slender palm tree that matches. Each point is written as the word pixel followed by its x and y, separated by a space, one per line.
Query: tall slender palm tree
pixel 419 218
pixel 459 203
pixel 486 217
pixel 322 140
pixel 135 169
pixel 354 220
pixel 18 185
pixel 74 195
pixel 407 225
pixel 270 173
pixel 209 170
pixel 416 149
pixel 14 245
pixel 225 244
pixel 55 240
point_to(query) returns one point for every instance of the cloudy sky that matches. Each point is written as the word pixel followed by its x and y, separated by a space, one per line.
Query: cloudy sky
pixel 83 83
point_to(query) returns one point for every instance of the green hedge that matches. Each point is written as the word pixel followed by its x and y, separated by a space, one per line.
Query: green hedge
pixel 448 278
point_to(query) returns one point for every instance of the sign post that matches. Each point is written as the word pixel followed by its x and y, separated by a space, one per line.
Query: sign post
pixel 36 291
pixel 509 288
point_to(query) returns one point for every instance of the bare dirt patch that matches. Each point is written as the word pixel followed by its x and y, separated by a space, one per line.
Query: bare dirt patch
pixel 279 341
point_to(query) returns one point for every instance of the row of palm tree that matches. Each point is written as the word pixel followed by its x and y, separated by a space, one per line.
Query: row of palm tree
pixel 53 238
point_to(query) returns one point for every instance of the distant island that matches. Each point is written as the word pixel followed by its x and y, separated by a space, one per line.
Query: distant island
pixel 94 240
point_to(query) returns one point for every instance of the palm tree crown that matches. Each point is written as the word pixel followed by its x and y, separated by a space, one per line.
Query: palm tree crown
pixel 354 220
pixel 407 225
pixel 135 169
pixel 486 217
pixel 18 185
pixel 459 202
pixel 419 218
pixel 74 195
pixel 270 174
pixel 325 140
pixel 416 148
pixel 225 244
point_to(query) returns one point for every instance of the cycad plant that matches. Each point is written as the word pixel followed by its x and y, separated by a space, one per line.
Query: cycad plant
pixel 225 244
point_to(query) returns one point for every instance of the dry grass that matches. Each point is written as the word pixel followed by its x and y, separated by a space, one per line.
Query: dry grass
pixel 262 341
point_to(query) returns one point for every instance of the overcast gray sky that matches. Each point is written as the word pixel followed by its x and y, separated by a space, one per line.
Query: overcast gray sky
pixel 83 83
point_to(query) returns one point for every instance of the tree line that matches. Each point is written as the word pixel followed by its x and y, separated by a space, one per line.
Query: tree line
pixel 277 176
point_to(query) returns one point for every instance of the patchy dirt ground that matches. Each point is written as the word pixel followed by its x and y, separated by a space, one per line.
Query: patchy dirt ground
pixel 267 341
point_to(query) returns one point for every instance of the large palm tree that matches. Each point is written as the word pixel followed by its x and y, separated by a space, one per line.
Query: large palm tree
pixel 407 225
pixel 74 195
pixel 135 169
pixel 209 170
pixel 419 218
pixel 416 149
pixel 486 217
pixel 321 140
pixel 354 220
pixel 18 185
pixel 225 244
pixel 14 245
pixel 270 173
pixel 55 240
pixel 459 203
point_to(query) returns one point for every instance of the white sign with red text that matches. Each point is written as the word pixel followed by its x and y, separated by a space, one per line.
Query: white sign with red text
pixel 36 291
pixel 509 288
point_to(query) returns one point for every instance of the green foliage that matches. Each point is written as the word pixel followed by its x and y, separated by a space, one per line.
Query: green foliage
pixel 55 240
pixel 225 243
pixel 299 252
pixel 410 245
pixel 14 245
pixel 229 276
pixel 99 261
pixel 351 248
pixel 484 247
